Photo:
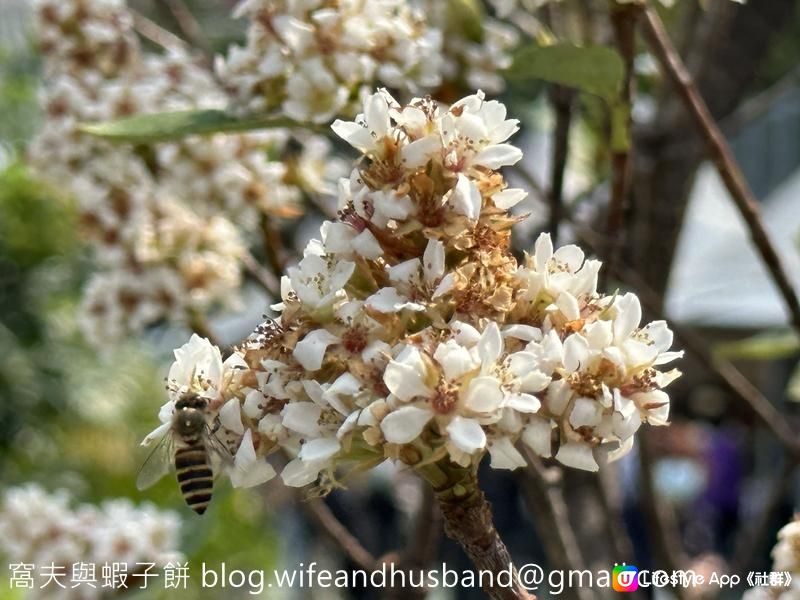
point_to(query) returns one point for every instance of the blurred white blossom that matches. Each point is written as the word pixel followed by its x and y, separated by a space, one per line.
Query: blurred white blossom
pixel 476 54
pixel 310 59
pixel 43 528
pixel 169 222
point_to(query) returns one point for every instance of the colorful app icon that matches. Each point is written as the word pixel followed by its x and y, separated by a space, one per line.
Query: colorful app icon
pixel 624 578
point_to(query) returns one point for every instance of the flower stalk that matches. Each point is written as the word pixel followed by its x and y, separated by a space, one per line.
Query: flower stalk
pixel 468 521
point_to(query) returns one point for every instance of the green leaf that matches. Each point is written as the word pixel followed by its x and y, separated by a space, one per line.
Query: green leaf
pixel 764 346
pixel 466 18
pixel 597 70
pixel 158 127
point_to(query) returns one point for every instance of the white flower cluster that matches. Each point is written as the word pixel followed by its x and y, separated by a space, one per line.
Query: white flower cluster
pixel 409 331
pixel 785 559
pixel 160 217
pixel 314 60
pixel 43 529
pixel 309 59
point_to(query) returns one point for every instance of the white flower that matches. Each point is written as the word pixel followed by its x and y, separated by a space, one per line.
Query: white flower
pixel 199 369
pixel 504 455
pixel 314 456
pixel 48 528
pixel 563 272
pixel 412 279
pixel 317 282
pixel 368 131
pixel 409 323
pixel 313 94
pixel 473 132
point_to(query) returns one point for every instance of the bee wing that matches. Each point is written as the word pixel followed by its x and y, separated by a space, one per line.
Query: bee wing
pixel 219 452
pixel 219 449
pixel 158 463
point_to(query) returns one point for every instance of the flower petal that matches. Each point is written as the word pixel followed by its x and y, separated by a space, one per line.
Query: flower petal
pixel 629 314
pixel 310 351
pixel 537 435
pixel 525 403
pixel 466 434
pixel 248 468
pixel 433 261
pixel 504 455
pixel 509 198
pixel 405 376
pixel 456 360
pixel 388 300
pixel 466 199
pixel 298 473
pixel 319 450
pixel 230 416
pixel 490 346
pixel 585 411
pixel 404 425
pixel 158 433
pixel 484 395
pixel 498 155
pixel 302 417
pixel 367 245
pixel 577 455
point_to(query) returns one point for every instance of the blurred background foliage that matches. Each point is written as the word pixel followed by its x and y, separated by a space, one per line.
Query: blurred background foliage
pixel 69 418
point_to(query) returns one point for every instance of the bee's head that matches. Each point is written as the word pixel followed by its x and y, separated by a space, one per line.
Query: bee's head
pixel 189 417
pixel 191 400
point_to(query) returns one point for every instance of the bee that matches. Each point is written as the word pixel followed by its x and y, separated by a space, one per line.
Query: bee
pixel 190 447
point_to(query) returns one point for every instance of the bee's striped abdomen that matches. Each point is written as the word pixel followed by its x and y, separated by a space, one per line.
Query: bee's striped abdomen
pixel 194 476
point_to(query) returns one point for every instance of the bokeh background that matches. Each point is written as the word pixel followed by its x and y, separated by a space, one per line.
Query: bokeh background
pixel 717 480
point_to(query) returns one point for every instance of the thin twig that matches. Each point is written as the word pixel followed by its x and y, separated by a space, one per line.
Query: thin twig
pixel 322 516
pixel 615 524
pixel 542 494
pixel 199 325
pixel 529 180
pixel 155 33
pixel 722 156
pixel 263 276
pixel 623 20
pixel 561 100
pixel 662 527
pixel 422 546
pixel 190 27
pixel 273 245
pixel 338 534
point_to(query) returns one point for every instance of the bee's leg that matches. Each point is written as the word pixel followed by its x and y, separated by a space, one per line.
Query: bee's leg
pixel 216 426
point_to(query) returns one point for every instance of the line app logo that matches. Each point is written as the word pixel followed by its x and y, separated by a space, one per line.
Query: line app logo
pixel 624 578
